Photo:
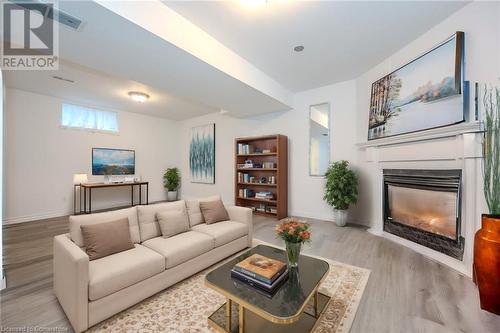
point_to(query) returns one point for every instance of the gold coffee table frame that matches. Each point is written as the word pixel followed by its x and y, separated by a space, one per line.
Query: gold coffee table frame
pixel 241 316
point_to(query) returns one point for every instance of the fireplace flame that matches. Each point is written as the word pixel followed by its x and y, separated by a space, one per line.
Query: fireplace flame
pixel 432 211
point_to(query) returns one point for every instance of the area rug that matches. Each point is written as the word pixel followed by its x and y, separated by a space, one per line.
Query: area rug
pixel 184 307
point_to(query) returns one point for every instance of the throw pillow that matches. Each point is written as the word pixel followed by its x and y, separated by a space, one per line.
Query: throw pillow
pixel 103 239
pixel 173 222
pixel 193 209
pixel 213 211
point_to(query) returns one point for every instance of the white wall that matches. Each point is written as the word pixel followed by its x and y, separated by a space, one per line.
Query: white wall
pixel 41 157
pixel 2 92
pixel 481 23
pixel 305 192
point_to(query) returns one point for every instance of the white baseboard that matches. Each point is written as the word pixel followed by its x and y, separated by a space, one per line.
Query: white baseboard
pixel 326 217
pixel 34 217
pixel 50 215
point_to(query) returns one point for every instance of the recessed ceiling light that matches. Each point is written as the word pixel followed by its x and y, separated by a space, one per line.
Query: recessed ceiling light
pixel 138 96
pixel 298 48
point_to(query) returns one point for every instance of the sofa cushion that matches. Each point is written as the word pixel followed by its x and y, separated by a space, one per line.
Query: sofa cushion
pixel 193 209
pixel 77 220
pixel 121 270
pixel 103 239
pixel 213 211
pixel 149 227
pixel 182 247
pixel 173 222
pixel 223 232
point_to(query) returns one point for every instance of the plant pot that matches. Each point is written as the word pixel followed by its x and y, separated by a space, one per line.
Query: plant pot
pixel 486 268
pixel 340 217
pixel 171 195
pixel 293 253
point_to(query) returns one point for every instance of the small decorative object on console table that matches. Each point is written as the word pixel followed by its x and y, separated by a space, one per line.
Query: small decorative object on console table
pixel 486 268
pixel 171 182
pixel 294 232
pixel 341 189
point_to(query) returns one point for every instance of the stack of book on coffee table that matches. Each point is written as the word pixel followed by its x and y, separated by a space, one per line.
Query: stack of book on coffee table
pixel 261 272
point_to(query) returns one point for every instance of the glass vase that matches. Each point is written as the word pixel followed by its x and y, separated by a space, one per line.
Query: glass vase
pixel 293 253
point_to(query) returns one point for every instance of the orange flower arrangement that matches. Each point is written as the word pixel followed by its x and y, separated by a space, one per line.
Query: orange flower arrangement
pixel 293 230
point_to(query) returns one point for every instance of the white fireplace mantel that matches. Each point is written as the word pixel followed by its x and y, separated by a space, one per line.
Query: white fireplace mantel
pixel 431 134
pixel 452 147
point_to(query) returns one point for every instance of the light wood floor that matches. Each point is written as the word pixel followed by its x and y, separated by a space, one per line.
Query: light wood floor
pixel 406 291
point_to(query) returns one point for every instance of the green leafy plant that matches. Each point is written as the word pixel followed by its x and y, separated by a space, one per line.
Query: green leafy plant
pixel 341 185
pixel 491 149
pixel 171 179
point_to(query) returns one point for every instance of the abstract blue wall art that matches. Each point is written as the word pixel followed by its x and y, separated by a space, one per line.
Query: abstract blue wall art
pixel 202 154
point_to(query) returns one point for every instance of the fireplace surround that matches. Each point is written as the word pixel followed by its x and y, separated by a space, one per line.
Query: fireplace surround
pixel 424 206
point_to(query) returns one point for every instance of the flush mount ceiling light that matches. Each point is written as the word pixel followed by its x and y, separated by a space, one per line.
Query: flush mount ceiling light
pixel 252 4
pixel 298 48
pixel 138 96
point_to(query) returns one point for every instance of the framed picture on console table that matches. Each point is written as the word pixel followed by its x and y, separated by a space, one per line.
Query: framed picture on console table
pixel 202 154
pixel 425 93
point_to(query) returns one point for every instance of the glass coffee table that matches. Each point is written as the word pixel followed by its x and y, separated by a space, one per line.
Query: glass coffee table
pixel 295 307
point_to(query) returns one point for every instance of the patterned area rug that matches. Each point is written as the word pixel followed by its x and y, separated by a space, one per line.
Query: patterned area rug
pixel 184 307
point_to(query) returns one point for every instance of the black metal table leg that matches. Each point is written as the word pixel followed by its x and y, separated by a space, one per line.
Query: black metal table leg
pixel 132 196
pixel 140 194
pixel 74 199
pixel 85 200
pixel 90 200
pixel 147 193
pixel 80 201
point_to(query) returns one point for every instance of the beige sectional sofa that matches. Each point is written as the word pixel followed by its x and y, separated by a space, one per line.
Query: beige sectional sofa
pixel 91 291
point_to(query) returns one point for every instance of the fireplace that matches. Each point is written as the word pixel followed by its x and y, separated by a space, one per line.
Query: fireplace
pixel 424 206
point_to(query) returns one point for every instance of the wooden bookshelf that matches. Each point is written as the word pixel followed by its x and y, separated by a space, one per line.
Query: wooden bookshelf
pixel 262 149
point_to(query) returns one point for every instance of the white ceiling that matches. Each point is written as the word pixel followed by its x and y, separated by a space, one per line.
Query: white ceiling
pixel 97 89
pixel 342 39
pixel 110 55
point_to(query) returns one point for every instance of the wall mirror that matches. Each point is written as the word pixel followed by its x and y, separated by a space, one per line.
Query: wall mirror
pixel 319 139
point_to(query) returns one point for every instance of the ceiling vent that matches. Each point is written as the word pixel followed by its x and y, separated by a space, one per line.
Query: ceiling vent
pixel 63 79
pixel 53 13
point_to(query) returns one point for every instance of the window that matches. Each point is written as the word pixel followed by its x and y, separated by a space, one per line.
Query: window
pixel 74 116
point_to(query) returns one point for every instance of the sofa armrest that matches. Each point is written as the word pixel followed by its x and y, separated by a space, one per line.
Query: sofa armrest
pixel 71 281
pixel 243 215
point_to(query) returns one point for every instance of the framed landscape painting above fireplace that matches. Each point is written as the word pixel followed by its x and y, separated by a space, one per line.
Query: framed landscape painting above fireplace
pixel 425 93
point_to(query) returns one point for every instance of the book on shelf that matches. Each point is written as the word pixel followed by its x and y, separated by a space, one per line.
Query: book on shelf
pixel 269 288
pixel 261 268
pixel 271 210
pixel 264 195
pixel 246 193
pixel 244 178
pixel 268 165
pixel 244 149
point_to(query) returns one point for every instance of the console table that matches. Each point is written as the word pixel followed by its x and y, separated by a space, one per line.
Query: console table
pixel 87 193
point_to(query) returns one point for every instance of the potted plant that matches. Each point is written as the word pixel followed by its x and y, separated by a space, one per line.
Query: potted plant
pixel 486 267
pixel 341 189
pixel 294 232
pixel 171 182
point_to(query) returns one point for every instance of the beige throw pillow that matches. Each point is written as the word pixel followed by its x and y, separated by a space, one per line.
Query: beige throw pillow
pixel 213 211
pixel 103 239
pixel 193 209
pixel 173 222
